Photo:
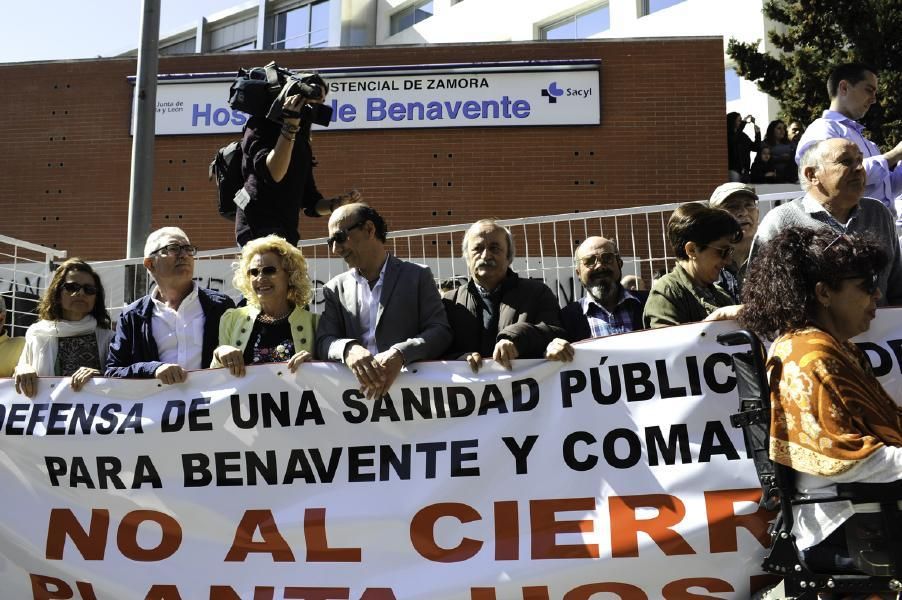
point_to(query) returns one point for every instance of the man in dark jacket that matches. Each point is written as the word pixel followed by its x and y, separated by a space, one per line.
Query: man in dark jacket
pixel 498 314
pixel 175 328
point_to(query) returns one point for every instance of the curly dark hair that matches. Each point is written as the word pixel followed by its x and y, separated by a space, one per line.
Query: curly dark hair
pixel 50 309
pixel 778 292
pixel 699 223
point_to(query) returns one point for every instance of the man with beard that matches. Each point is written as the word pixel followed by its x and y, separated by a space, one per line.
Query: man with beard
pixel 741 201
pixel 606 308
pixel 497 314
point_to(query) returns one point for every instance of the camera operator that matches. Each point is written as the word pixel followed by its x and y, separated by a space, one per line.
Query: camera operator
pixel 278 165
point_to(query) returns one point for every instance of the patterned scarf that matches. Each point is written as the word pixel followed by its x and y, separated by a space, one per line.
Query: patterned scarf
pixel 828 410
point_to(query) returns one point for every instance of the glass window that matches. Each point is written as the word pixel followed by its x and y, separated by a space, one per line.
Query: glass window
pixel 731 79
pixel 410 16
pixel 306 26
pixel 650 6
pixel 580 25
pixel 183 47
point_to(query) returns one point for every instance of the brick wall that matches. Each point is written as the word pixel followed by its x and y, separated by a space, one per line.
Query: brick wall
pixel 662 139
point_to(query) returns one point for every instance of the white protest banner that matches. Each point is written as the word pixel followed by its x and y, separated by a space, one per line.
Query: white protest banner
pixel 616 475
pixel 422 96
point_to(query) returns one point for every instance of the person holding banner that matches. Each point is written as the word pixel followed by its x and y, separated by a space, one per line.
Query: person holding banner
pixel 173 329
pixel 274 326
pixel 498 314
pixel 831 420
pixel 72 337
pixel 10 347
pixel 703 240
pixel 381 314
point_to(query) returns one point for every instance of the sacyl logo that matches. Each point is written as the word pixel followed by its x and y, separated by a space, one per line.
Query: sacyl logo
pixel 552 92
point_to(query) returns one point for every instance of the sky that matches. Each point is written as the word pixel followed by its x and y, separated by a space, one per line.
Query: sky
pixel 64 29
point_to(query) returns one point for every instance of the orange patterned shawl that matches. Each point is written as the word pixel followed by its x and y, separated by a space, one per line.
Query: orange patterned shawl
pixel 828 411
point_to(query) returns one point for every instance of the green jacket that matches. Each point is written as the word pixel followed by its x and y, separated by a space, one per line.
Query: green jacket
pixel 236 324
pixel 674 299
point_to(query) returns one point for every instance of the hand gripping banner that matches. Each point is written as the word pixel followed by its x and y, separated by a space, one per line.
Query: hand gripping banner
pixel 614 476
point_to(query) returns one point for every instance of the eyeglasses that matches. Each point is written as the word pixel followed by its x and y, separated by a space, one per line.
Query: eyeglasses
pixel 841 236
pixel 73 288
pixel 265 271
pixel 175 250
pixel 869 284
pixel 606 259
pixel 725 252
pixel 341 236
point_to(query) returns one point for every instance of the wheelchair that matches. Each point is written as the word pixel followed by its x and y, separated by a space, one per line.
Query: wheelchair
pixel 873 539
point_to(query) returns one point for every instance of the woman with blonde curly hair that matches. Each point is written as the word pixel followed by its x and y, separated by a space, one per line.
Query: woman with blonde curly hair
pixel 274 326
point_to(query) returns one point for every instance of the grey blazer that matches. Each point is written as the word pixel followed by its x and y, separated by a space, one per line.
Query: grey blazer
pixel 411 316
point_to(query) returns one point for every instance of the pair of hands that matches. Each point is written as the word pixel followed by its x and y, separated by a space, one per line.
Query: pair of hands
pixel 375 374
pixel 27 380
pixel 504 352
pixel 233 359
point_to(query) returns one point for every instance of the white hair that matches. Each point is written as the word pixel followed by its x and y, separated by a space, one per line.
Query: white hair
pixel 153 240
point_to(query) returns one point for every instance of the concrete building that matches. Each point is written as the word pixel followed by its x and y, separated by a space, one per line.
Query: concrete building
pixel 295 24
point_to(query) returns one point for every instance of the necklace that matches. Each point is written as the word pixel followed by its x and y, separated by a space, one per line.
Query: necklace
pixel 269 319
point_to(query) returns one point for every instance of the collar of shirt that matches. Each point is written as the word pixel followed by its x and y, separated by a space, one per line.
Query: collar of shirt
pixel 588 301
pixel 817 211
pixel 832 115
pixel 368 306
pixel 179 334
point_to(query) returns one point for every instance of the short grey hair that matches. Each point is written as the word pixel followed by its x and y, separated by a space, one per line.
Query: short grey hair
pixel 812 157
pixel 465 244
pixel 154 238
pixel 580 245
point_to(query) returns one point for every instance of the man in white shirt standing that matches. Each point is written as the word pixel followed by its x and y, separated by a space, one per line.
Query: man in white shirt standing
pixel 853 89
pixel 384 312
pixel 175 328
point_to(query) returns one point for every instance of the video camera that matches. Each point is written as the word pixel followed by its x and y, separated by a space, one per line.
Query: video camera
pixel 261 91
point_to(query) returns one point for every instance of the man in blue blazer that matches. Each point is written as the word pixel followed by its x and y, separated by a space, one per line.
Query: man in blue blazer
pixel 381 314
pixel 175 328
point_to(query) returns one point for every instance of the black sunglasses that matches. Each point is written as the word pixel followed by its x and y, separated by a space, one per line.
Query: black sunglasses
pixel 869 283
pixel 265 271
pixel 73 288
pixel 341 236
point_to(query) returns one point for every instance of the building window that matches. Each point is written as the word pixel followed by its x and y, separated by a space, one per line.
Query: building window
pixel 184 47
pixel 233 35
pixel 646 7
pixel 410 16
pixel 579 26
pixel 731 81
pixel 306 26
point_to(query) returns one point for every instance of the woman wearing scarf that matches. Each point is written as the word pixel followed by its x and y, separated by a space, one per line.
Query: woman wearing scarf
pixel 73 334
pixel 831 420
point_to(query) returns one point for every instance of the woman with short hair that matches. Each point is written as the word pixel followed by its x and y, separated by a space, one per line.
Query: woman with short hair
pixel 274 326
pixel 831 420
pixel 703 240
pixel 73 335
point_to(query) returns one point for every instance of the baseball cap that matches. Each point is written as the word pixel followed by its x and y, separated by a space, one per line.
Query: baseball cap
pixel 722 192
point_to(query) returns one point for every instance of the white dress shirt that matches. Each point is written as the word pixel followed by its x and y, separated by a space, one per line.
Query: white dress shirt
pixel 179 334
pixel 368 307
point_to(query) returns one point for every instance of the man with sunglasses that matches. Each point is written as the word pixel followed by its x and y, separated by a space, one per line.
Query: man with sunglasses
pixel 381 314
pixel 606 308
pixel 833 177
pixel 175 328
pixel 498 314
